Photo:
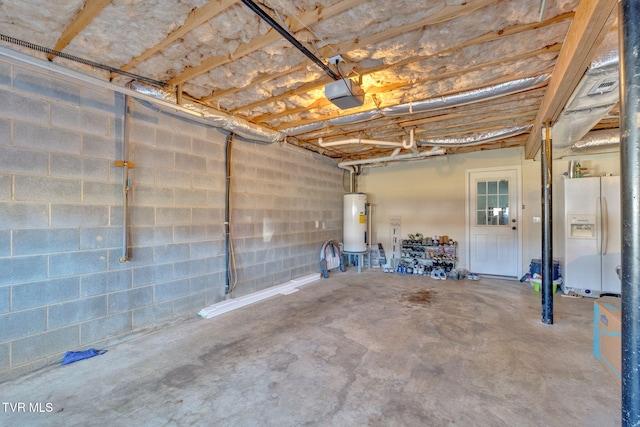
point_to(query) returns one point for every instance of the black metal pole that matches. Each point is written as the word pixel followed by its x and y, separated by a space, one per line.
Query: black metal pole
pixel 547 248
pixel 629 31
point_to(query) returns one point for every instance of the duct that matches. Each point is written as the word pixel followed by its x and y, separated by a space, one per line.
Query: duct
pixel 476 138
pixel 463 98
pixel 467 97
pixel 376 160
pixel 236 125
pixel 596 94
pixel 354 118
pixel 597 139
pixel 306 128
pixel 157 98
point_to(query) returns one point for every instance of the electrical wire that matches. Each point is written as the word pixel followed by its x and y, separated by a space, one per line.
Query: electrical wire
pixel 93 64
pixel 343 77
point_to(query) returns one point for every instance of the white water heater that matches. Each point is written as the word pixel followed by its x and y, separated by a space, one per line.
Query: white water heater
pixel 355 222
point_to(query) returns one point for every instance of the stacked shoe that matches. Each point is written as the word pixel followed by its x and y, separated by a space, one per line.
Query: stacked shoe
pixel 438 274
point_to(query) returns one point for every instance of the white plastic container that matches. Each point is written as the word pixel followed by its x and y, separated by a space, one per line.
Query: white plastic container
pixel 355 222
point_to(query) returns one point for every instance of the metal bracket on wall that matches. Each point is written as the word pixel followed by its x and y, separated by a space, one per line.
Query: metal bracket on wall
pixel 123 163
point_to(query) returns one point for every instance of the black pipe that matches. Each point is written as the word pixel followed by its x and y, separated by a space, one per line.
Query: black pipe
pixel 547 247
pixel 287 35
pixel 629 32
pixel 227 200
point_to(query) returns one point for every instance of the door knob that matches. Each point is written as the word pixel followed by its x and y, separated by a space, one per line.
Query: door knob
pixel 513 228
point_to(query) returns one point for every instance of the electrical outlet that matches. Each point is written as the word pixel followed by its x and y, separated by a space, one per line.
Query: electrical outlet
pixel 334 60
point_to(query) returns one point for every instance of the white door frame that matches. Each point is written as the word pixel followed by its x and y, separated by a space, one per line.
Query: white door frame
pixel 468 216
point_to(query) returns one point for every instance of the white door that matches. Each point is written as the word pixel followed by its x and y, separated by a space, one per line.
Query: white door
pixel 493 222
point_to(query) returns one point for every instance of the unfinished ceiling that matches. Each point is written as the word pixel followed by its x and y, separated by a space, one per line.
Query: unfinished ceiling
pixel 448 75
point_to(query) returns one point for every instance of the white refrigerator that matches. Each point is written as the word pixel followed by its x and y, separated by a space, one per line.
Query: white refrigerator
pixel 589 230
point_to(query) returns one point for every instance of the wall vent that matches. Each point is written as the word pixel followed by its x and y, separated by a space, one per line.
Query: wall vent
pixel 606 85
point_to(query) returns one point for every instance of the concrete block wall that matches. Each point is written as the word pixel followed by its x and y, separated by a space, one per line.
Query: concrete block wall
pixel 62 286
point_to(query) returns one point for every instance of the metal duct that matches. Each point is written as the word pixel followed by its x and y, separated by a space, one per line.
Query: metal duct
pixel 596 94
pixel 467 97
pixel 598 139
pixel 354 118
pixel 306 128
pixel 476 138
pixel 462 98
pixel 214 118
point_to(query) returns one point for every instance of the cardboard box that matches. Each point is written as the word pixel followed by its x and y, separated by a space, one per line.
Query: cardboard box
pixel 607 341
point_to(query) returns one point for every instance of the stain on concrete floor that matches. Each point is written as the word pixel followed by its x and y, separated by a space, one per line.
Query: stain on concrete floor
pixel 353 350
pixel 421 297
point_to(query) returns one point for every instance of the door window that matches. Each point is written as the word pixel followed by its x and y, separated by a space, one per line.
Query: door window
pixel 492 202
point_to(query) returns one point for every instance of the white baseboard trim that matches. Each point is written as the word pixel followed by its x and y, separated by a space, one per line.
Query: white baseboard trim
pixel 233 304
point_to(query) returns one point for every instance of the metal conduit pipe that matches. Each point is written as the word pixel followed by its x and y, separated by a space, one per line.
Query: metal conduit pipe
pixel 126 182
pixel 228 288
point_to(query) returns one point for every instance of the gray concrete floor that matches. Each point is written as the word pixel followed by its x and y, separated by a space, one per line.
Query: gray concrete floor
pixel 370 349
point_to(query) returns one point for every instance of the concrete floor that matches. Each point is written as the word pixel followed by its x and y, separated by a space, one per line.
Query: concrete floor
pixel 370 349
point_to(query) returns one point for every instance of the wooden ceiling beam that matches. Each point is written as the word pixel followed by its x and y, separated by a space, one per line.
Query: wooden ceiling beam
pixel 327 117
pixel 587 30
pixel 387 88
pixel 196 18
pixel 85 16
pixel 445 14
pixel 257 43
pixel 485 38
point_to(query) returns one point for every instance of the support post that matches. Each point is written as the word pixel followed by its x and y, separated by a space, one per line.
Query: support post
pixel 547 247
pixel 629 32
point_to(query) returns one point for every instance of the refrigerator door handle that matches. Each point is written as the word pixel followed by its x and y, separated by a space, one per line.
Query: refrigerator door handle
pixel 598 226
pixel 605 226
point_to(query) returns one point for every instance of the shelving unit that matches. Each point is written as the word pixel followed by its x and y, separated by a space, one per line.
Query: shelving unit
pixel 445 256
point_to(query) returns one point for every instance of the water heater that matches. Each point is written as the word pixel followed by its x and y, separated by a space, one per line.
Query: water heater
pixel 355 222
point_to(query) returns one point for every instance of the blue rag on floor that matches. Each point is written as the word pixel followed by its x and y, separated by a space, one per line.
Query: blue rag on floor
pixel 74 356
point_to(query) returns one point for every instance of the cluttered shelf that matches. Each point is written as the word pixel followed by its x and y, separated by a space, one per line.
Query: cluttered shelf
pixel 435 256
